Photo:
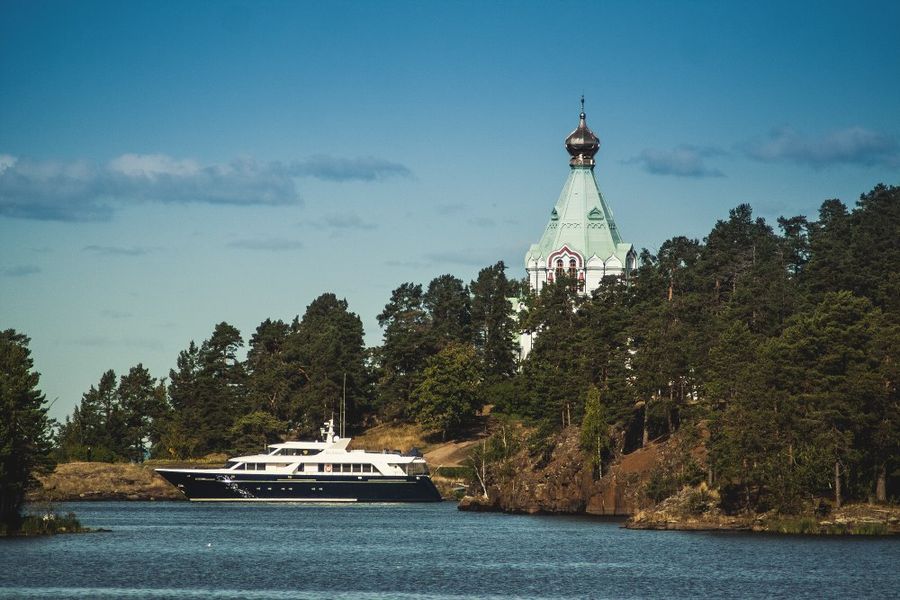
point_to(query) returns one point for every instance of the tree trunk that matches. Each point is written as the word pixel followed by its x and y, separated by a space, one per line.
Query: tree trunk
pixel 881 484
pixel 481 473
pixel 599 459
pixel 669 409
pixel 646 439
pixel 837 484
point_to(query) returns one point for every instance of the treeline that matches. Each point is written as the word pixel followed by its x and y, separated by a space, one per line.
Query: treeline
pixel 440 346
pixel 777 351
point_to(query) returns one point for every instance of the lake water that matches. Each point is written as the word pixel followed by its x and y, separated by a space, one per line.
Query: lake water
pixel 430 551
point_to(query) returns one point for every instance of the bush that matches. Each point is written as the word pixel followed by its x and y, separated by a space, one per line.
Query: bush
pixel 660 485
pixel 50 523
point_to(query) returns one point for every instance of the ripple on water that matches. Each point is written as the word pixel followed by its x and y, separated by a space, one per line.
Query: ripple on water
pixel 430 551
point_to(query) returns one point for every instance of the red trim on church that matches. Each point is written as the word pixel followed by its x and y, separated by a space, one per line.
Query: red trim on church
pixel 565 251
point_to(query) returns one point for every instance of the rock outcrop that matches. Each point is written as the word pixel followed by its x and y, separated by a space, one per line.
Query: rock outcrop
pixel 566 483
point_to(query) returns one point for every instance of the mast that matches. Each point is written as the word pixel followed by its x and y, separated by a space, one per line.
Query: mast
pixel 344 407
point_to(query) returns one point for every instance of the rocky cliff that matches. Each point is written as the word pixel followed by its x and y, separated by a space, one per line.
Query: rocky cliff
pixel 566 482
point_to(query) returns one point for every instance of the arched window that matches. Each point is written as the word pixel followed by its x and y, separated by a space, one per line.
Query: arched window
pixel 572 267
pixel 559 268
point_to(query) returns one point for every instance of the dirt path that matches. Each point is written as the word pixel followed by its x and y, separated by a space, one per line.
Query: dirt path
pixel 450 454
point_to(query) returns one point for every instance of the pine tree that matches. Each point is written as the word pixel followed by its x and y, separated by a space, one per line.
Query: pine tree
pixel 493 324
pixel 25 436
pixel 449 307
pixel 327 349
pixel 407 346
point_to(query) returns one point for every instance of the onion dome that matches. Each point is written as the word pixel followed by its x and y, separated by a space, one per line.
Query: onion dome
pixel 582 144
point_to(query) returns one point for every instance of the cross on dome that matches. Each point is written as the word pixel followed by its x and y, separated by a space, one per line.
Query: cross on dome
pixel 582 144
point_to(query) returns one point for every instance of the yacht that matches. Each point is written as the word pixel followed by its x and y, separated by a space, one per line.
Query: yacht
pixel 322 471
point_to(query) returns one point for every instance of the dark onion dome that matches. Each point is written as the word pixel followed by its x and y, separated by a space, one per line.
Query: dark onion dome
pixel 582 144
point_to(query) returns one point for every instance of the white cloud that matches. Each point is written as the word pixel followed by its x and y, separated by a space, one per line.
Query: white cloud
pixel 268 244
pixel 150 165
pixel 853 145
pixel 683 161
pixel 82 191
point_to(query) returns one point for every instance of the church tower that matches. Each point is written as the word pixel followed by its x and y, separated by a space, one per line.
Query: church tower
pixel 581 239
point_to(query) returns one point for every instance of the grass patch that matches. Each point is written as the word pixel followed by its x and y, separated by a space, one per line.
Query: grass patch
pixel 401 437
pixel 794 526
pixel 811 526
pixel 454 472
pixel 870 529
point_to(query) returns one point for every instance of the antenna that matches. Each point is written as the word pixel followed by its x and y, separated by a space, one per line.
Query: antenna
pixel 344 406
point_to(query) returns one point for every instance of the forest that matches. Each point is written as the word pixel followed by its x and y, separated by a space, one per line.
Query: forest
pixel 777 348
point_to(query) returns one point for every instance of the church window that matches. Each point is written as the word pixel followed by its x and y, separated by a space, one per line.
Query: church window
pixel 559 268
pixel 572 268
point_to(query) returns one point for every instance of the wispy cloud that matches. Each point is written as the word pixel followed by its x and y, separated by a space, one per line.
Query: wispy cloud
pixel 20 271
pixel 111 313
pixel 683 161
pixel 850 146
pixel 99 341
pixel 366 168
pixel 473 256
pixel 117 250
pixel 450 209
pixel 407 264
pixel 85 191
pixel 482 222
pixel 347 221
pixel 267 244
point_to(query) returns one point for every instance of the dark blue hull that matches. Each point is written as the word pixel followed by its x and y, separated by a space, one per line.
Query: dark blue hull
pixel 269 487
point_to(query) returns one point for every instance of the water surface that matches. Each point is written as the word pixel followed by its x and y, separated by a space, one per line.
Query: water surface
pixel 431 551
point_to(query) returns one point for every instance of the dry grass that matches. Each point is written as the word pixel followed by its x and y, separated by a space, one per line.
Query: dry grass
pixel 103 481
pixel 392 437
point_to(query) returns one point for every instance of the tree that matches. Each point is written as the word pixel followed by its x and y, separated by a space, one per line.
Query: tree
pixel 143 402
pixel 553 373
pixel 271 380
pixel 492 320
pixel 97 431
pixel 406 347
pixel 595 430
pixel 207 393
pixel 449 306
pixel 252 432
pixel 325 350
pixel 25 437
pixel 448 395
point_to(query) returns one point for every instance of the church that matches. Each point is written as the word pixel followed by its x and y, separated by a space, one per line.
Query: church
pixel 581 239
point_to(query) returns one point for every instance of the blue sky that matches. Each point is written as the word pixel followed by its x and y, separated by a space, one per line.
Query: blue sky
pixel 168 165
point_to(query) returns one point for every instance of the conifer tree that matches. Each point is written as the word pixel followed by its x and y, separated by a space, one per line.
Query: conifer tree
pixel 25 436
pixel 494 328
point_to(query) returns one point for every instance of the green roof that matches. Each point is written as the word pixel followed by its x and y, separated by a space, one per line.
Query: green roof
pixel 582 221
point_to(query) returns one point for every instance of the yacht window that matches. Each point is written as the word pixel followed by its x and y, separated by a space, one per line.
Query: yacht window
pixel 416 468
pixel 357 468
pixel 299 451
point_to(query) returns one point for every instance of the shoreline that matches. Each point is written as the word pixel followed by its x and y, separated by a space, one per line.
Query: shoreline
pixel 867 520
